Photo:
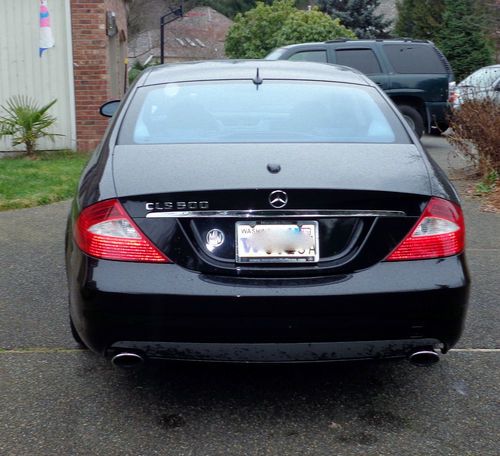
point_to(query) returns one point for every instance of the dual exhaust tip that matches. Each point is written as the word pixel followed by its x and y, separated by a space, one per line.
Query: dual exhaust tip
pixel 128 360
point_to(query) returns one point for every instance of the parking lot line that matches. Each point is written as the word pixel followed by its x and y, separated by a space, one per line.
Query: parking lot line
pixel 30 350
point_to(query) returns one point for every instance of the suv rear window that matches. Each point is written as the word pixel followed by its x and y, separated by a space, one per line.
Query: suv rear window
pixel 240 111
pixel 363 60
pixel 414 58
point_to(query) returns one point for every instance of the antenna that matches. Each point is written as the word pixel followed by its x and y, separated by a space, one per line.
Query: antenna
pixel 257 80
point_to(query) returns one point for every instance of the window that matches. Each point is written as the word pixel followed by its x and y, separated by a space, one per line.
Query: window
pixel 275 111
pixel 363 60
pixel 309 56
pixel 414 58
pixel 275 55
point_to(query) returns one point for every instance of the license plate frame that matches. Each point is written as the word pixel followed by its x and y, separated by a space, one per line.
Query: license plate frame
pixel 289 228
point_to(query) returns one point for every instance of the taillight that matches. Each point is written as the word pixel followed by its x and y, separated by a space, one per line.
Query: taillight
pixel 452 92
pixel 439 232
pixel 105 230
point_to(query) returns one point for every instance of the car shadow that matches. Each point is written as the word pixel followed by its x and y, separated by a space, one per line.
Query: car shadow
pixel 336 394
pixel 343 405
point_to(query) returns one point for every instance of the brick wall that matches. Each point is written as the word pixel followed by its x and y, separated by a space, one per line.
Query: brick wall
pixel 91 65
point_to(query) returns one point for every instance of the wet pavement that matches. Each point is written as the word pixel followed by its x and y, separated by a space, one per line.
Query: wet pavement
pixel 58 399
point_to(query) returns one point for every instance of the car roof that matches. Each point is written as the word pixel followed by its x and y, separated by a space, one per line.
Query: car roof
pixel 497 65
pixel 353 41
pixel 247 69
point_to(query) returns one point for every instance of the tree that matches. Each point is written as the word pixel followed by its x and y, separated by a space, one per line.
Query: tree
pixel 463 37
pixel 305 26
pixel 492 10
pixel 229 7
pixel 420 19
pixel 145 15
pixel 255 33
pixel 358 15
pixel 26 122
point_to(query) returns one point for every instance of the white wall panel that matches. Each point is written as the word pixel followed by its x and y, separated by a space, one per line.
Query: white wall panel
pixel 23 72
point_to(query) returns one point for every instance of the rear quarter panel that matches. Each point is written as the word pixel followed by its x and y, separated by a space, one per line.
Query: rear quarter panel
pixel 428 87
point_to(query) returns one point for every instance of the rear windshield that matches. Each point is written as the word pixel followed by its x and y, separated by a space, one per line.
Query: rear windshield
pixel 275 111
pixel 414 58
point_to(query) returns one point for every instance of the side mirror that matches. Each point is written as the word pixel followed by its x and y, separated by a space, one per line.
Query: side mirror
pixel 109 108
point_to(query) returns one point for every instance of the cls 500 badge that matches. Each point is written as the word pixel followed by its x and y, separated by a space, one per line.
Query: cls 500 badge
pixel 177 205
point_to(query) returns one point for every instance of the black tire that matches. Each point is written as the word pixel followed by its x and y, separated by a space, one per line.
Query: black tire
pixel 75 334
pixel 413 118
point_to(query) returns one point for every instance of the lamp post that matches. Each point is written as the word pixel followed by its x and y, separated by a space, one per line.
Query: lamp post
pixel 171 16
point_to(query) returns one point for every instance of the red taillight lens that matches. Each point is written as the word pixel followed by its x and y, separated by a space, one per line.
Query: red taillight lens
pixel 452 92
pixel 105 230
pixel 440 232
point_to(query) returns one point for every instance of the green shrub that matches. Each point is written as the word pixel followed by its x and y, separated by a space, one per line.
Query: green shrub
pixel 26 122
pixel 138 68
pixel 258 31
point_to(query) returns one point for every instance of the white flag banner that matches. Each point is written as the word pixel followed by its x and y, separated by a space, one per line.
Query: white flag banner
pixel 46 37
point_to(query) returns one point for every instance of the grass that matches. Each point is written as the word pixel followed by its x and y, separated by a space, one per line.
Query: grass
pixel 49 178
pixel 488 184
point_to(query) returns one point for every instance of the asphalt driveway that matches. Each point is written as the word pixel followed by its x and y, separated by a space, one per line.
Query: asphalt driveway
pixel 57 399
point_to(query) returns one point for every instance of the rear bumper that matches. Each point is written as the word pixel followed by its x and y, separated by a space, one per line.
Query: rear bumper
pixel 438 114
pixel 273 352
pixel 170 312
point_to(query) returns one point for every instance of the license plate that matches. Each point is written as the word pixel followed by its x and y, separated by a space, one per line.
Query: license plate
pixel 277 242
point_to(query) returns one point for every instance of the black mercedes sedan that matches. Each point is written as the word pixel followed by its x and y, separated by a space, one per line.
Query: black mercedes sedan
pixel 260 211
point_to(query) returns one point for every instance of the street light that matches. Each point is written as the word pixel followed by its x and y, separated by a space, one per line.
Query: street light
pixel 171 16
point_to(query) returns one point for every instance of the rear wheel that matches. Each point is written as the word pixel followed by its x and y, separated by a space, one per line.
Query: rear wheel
pixel 413 118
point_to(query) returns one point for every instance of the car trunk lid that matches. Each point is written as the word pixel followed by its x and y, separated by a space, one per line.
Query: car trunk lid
pixel 206 167
pixel 363 202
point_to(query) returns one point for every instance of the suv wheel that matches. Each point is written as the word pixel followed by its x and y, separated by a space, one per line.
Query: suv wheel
pixel 413 118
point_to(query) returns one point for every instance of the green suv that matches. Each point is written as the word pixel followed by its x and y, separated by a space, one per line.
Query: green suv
pixel 415 74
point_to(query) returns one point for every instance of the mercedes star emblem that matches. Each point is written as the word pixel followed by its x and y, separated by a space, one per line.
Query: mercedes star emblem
pixel 278 199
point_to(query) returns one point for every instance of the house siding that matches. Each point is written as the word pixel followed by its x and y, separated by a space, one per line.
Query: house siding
pixel 25 73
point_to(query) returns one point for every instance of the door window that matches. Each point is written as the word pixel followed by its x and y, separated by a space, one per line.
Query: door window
pixel 309 56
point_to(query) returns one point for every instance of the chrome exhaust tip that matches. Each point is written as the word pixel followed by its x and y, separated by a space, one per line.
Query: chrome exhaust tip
pixel 424 358
pixel 127 360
